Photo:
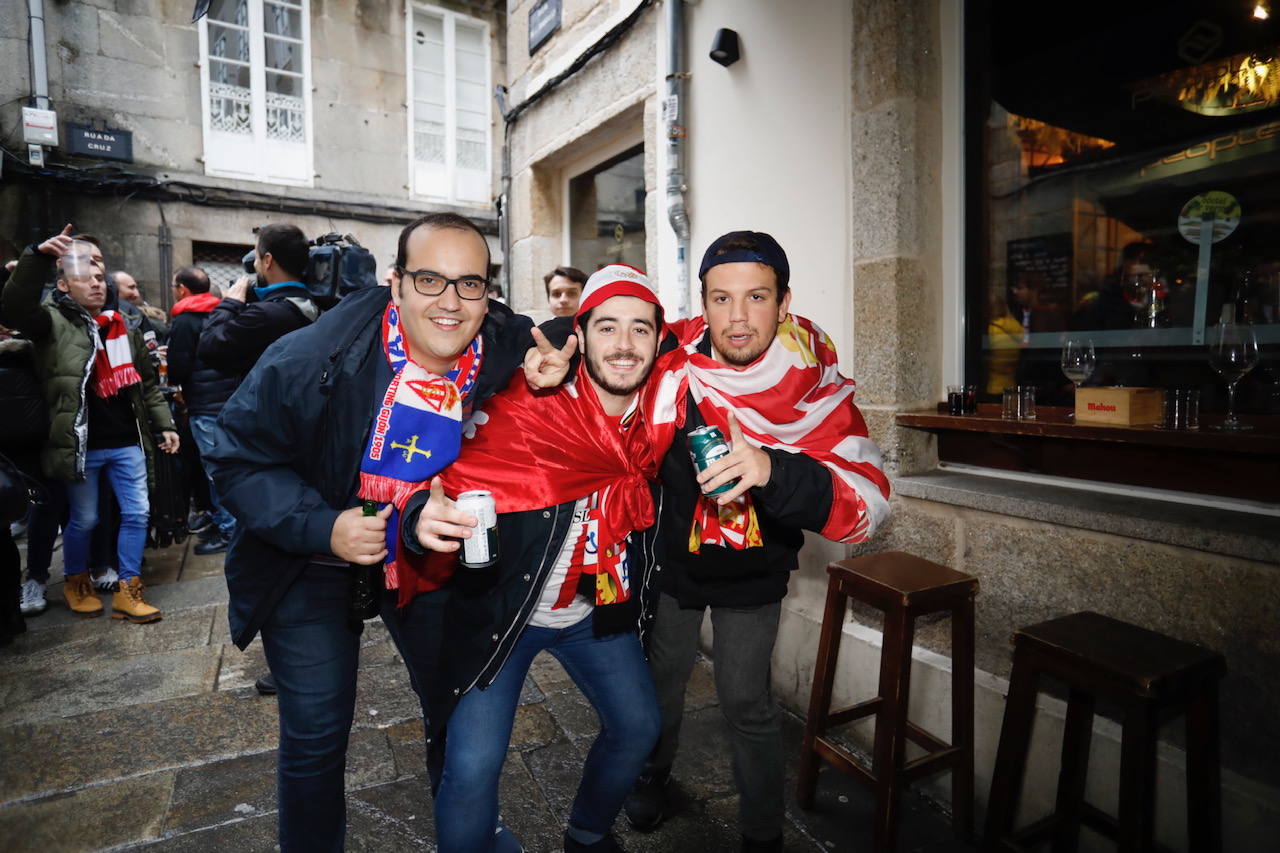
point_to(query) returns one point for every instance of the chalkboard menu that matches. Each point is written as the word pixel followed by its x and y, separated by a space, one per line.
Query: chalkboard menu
pixel 1043 264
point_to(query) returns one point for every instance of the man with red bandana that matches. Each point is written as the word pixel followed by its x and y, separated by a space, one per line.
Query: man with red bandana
pixel 800 460
pixel 576 515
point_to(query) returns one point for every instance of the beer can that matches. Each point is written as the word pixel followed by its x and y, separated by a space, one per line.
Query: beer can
pixel 706 445
pixel 481 550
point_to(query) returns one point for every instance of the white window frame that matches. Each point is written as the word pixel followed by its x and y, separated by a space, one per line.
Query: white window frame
pixel 450 19
pixel 256 157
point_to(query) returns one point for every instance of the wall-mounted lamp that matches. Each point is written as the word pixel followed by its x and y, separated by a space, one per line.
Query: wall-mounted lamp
pixel 1261 10
pixel 724 48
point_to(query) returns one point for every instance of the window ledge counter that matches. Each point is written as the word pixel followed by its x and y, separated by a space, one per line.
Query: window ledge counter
pixel 1239 465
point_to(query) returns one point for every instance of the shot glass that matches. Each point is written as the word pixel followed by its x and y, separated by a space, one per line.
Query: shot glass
pixel 1027 402
pixel 1010 403
pixel 1182 408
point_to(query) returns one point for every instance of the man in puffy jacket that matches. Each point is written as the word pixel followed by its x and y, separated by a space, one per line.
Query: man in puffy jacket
pixel 105 411
pixel 204 389
pixel 329 417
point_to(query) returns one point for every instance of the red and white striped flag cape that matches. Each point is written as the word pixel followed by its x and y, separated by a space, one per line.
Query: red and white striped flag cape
pixel 791 398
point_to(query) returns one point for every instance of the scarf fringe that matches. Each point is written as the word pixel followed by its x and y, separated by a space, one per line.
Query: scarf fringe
pixel 119 378
pixel 386 490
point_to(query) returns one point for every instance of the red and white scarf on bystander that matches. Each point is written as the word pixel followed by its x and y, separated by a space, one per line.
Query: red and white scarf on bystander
pixel 791 398
pixel 112 356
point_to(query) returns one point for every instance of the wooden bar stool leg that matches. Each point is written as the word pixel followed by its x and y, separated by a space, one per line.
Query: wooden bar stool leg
pixel 824 675
pixel 962 665
pixel 1204 791
pixel 891 724
pixel 1137 778
pixel 1076 735
pixel 1011 754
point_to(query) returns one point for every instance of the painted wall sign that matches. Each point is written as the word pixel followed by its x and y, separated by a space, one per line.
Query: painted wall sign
pixel 108 144
pixel 544 19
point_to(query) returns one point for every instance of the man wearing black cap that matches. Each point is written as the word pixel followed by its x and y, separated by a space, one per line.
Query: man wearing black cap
pixel 800 460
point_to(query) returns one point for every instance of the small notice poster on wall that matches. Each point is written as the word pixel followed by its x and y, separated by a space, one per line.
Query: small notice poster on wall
pixel 1043 264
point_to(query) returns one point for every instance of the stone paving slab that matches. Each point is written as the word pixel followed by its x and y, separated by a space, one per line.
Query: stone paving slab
pixel 94 684
pixel 64 754
pixel 105 638
pixel 88 819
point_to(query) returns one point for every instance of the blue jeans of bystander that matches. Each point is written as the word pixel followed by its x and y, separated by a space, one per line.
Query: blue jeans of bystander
pixel 203 430
pixel 126 471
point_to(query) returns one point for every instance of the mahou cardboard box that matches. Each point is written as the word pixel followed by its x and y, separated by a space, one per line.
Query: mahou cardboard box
pixel 1120 406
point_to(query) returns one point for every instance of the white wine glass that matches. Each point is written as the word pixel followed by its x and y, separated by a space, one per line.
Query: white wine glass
pixel 1233 352
pixel 1077 363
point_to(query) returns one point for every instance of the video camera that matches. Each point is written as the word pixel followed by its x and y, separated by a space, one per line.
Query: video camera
pixel 336 265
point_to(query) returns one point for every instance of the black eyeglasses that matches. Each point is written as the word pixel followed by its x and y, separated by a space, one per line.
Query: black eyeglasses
pixel 430 283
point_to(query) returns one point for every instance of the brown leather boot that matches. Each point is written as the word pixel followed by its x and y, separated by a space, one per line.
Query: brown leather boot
pixel 127 603
pixel 80 596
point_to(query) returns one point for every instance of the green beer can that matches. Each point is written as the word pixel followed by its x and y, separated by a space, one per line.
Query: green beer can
pixel 706 445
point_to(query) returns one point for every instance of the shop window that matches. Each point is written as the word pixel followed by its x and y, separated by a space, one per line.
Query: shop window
pixel 606 213
pixel 255 73
pixel 1123 187
pixel 449 93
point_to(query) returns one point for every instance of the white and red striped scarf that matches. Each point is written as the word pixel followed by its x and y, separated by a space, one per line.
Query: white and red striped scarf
pixel 112 356
pixel 791 398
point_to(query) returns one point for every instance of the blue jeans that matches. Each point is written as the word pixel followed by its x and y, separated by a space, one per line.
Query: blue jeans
pixel 126 471
pixel 612 674
pixel 313 648
pixel 204 430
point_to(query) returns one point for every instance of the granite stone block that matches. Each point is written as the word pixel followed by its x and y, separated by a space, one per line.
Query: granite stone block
pixel 126 811
pixel 252 833
pixel 405 803
pixel 92 685
pixel 207 795
pixel 895 340
pixel 54 754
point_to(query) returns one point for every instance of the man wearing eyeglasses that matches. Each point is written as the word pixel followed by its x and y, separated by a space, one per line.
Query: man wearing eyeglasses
pixel 362 405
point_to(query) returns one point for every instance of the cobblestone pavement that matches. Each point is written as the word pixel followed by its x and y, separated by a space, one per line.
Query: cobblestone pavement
pixel 122 736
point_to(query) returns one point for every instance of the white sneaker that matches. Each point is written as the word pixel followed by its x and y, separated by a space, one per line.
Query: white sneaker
pixel 106 580
pixel 33 598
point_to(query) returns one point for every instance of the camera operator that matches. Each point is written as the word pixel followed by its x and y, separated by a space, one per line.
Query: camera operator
pixel 249 319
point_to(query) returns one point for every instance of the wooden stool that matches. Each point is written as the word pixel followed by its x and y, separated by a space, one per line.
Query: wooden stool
pixel 904 587
pixel 1147 674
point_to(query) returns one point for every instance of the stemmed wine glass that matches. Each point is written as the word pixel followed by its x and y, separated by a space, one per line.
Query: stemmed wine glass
pixel 1077 363
pixel 1233 352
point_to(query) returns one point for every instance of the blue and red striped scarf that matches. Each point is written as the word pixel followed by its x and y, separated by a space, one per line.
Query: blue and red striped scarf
pixel 417 430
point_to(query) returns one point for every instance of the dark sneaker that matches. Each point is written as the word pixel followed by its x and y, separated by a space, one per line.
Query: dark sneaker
pixel 198 521
pixel 266 685
pixel 215 544
pixel 608 844
pixel 646 806
pixel 751 845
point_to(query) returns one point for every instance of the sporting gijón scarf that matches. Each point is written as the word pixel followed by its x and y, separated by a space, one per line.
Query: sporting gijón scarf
pixel 112 356
pixel 417 430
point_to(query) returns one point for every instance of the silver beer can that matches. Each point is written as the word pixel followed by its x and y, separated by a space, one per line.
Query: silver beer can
pixel 481 550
